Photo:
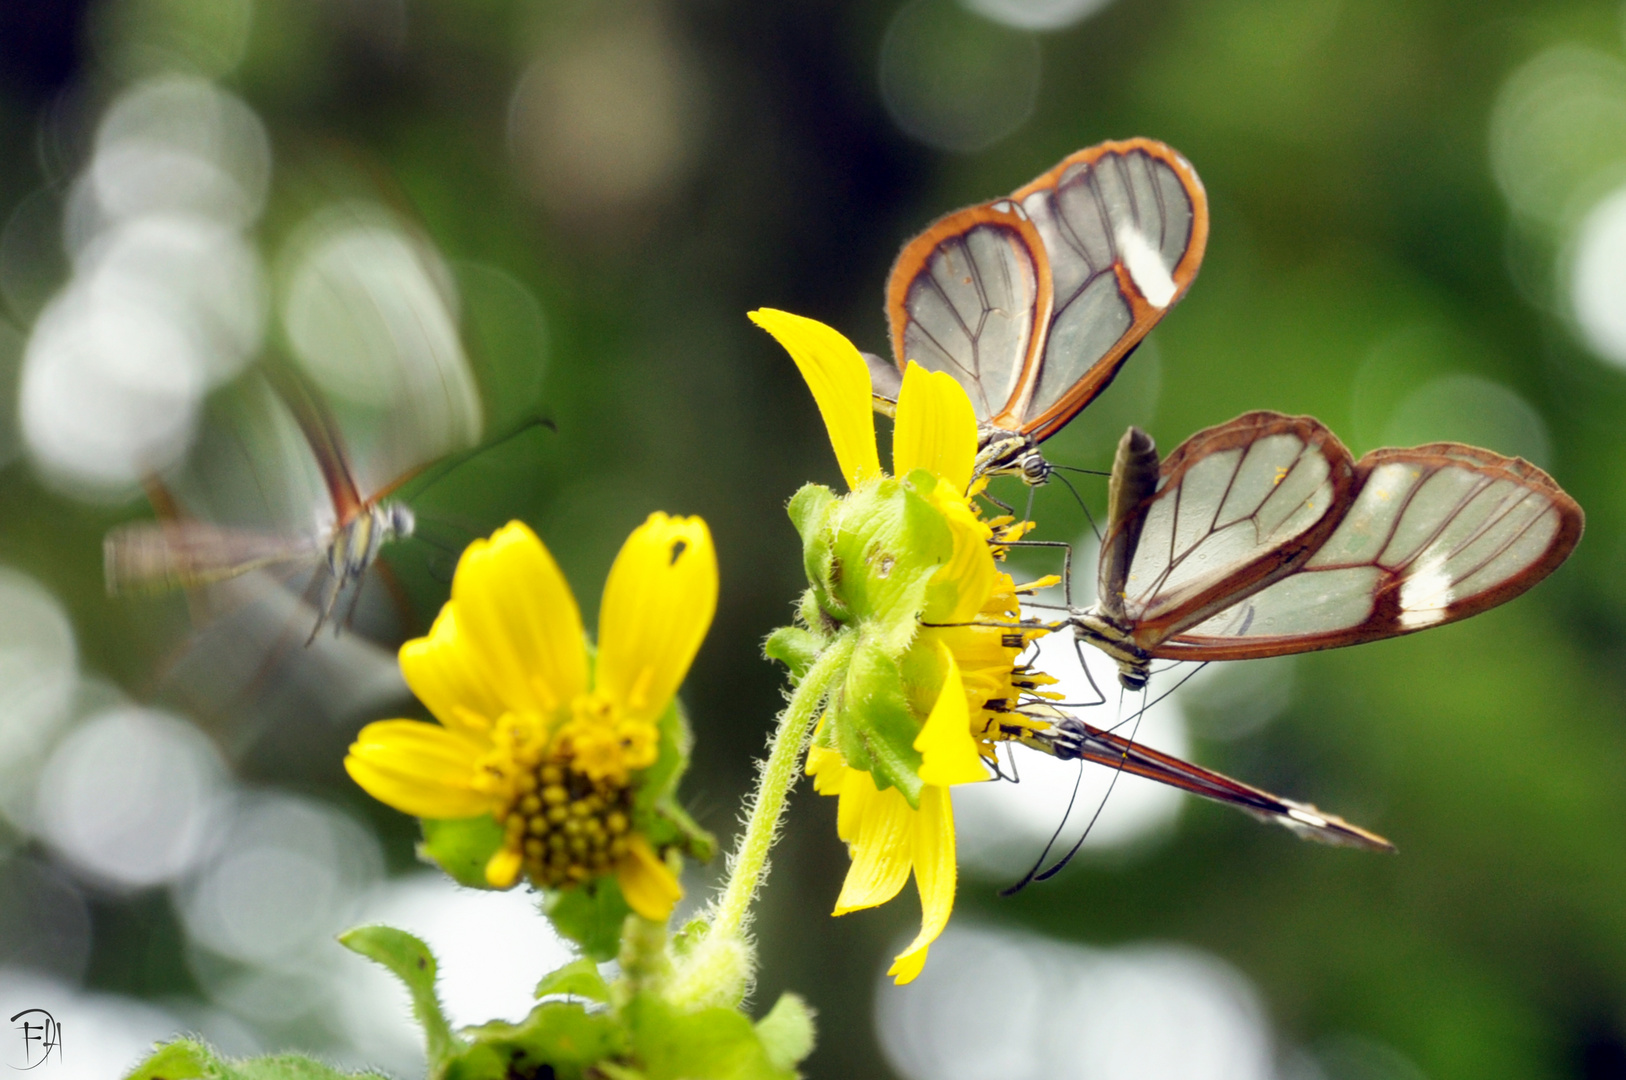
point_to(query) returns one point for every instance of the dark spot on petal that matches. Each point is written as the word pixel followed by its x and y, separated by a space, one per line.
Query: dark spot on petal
pixel 678 548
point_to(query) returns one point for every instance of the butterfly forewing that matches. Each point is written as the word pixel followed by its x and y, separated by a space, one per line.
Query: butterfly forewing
pixel 1237 506
pixel 1124 226
pixel 1034 302
pixel 1430 535
pixel 969 296
pixel 151 556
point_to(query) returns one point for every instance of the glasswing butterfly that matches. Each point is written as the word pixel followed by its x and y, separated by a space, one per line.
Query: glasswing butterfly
pixel 1033 302
pixel 1263 537
pixel 146 556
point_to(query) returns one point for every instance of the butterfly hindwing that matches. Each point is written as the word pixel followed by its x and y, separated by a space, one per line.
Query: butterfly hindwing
pixel 970 296
pixel 1429 535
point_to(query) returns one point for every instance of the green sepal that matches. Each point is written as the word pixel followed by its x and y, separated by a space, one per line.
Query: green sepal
pixel 889 542
pixel 591 915
pixel 794 647
pixel 410 960
pixel 875 727
pixel 579 977
pixel 787 1032
pixel 190 1059
pixel 655 810
pixel 811 510
pixel 461 847
pixel 561 1039
pixel 716 1043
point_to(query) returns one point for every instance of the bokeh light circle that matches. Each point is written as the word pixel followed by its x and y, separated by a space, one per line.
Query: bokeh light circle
pixel 1559 128
pixel 129 797
pixel 180 143
pixel 1037 14
pixel 1470 409
pixel 1598 278
pixel 1146 1012
pixel 956 81
pixel 109 392
pixel 288 873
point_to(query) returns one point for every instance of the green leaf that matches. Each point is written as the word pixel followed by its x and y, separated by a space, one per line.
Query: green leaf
pixel 812 510
pixel 875 725
pixel 889 542
pixel 655 810
pixel 787 1031
pixel 590 915
pixel 718 1044
pixel 290 1067
pixel 794 647
pixel 462 847
pixel 183 1059
pixel 559 1039
pixel 579 977
pixel 189 1059
pixel 411 961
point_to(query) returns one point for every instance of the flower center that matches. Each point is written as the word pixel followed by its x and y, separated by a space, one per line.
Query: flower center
pixel 569 827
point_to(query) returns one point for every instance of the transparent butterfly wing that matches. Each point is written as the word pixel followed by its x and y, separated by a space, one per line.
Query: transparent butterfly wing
pixel 149 556
pixel 1034 302
pixel 1124 226
pixel 1237 506
pixel 970 296
pixel 1431 535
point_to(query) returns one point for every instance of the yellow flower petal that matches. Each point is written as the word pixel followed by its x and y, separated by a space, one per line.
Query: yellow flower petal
pixel 521 621
pixel 935 429
pixel 948 752
pixel 648 885
pixel 970 570
pixel 420 769
pixel 934 876
pixel 502 869
pixel 881 849
pixel 658 604
pixel 442 670
pixel 826 767
pixel 839 379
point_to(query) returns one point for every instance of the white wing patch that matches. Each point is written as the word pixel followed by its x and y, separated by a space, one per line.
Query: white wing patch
pixel 1426 593
pixel 1145 265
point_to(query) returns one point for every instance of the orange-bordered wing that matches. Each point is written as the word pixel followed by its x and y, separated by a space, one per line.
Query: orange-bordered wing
pixel 1035 330
pixel 972 296
pixel 1262 540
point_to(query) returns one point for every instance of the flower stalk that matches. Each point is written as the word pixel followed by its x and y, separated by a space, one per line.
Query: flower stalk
pixel 748 864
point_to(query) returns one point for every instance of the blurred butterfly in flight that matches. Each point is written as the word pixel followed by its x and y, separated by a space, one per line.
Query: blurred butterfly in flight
pixel 1033 302
pixel 147 556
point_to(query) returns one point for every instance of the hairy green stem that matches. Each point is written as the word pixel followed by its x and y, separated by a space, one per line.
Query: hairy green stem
pixel 773 785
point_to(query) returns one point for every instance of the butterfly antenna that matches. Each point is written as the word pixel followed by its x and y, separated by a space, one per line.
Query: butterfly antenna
pixel 436 473
pixel 1187 677
pixel 1068 484
pixel 1117 771
pixel 1029 877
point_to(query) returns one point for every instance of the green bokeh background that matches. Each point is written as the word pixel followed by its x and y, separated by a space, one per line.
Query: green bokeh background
pixel 1360 248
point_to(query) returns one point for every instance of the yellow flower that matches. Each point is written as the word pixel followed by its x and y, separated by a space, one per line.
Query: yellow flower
pixel 531 731
pixel 959 672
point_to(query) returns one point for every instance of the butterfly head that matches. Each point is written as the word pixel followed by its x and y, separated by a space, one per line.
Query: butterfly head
pixel 399 520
